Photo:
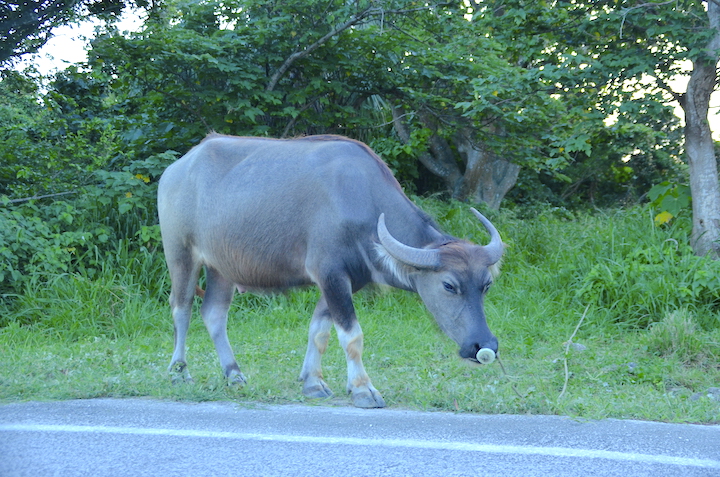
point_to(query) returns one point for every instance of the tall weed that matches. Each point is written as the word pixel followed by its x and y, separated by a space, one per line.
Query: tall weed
pixel 648 273
pixel 120 299
pixel 679 335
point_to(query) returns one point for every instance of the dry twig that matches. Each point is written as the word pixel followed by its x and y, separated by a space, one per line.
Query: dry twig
pixel 568 343
pixel 508 376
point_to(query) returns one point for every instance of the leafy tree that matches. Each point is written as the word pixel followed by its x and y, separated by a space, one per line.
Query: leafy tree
pixel 470 98
pixel 419 82
pixel 624 55
pixel 25 26
pixel 483 98
pixel 53 144
pixel 463 105
pixel 18 108
pixel 637 50
pixel 244 68
pixel 554 110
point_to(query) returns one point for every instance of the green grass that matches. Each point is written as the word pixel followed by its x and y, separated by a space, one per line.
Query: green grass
pixel 646 356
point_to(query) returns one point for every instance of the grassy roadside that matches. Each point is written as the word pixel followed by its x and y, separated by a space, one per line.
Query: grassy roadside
pixel 640 352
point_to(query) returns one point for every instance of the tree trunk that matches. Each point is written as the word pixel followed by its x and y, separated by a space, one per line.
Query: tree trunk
pixel 443 166
pixel 487 178
pixel 700 148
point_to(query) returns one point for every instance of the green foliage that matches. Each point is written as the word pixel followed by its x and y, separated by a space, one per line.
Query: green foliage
pixel 109 333
pixel 208 66
pixel 613 134
pixel 110 300
pixel 53 143
pixel 401 157
pixel 512 78
pixel 27 26
pixel 68 144
pixel 133 188
pixel 39 240
pixel 646 278
pixel 670 199
pixel 679 335
pixel 518 103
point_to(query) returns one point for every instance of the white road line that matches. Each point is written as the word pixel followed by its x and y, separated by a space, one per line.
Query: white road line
pixel 355 441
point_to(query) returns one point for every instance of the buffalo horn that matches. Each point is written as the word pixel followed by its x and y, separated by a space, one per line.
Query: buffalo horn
pixel 415 257
pixel 495 248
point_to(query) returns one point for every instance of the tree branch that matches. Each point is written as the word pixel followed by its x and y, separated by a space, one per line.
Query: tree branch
pixel 666 87
pixel 303 53
pixel 293 121
pixel 627 11
pixel 354 20
pixel 447 170
pixel 36 197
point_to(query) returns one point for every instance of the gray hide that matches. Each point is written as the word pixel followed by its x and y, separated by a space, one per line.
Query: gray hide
pixel 267 214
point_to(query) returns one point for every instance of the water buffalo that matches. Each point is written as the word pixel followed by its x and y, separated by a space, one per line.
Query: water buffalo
pixel 267 214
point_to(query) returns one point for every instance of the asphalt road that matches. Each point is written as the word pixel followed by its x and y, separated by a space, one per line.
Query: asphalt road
pixel 142 437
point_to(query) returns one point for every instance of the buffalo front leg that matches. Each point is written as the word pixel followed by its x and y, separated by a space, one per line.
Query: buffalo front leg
pixel 311 375
pixel 214 310
pixel 337 292
pixel 359 386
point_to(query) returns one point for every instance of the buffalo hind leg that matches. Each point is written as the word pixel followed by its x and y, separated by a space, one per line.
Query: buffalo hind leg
pixel 178 364
pixel 183 275
pixel 214 310
pixel 311 375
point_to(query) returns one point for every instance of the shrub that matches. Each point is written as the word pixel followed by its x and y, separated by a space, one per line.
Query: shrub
pixel 654 276
pixel 39 239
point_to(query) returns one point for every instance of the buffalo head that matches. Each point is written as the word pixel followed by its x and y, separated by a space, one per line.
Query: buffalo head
pixel 452 279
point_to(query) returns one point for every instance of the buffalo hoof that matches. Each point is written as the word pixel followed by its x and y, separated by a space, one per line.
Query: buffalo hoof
pixel 179 373
pixel 368 399
pixel 236 378
pixel 318 390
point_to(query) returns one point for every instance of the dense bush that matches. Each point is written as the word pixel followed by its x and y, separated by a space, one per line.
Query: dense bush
pixel 40 239
pixel 652 279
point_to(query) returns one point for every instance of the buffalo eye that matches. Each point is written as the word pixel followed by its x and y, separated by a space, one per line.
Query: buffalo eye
pixel 449 288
